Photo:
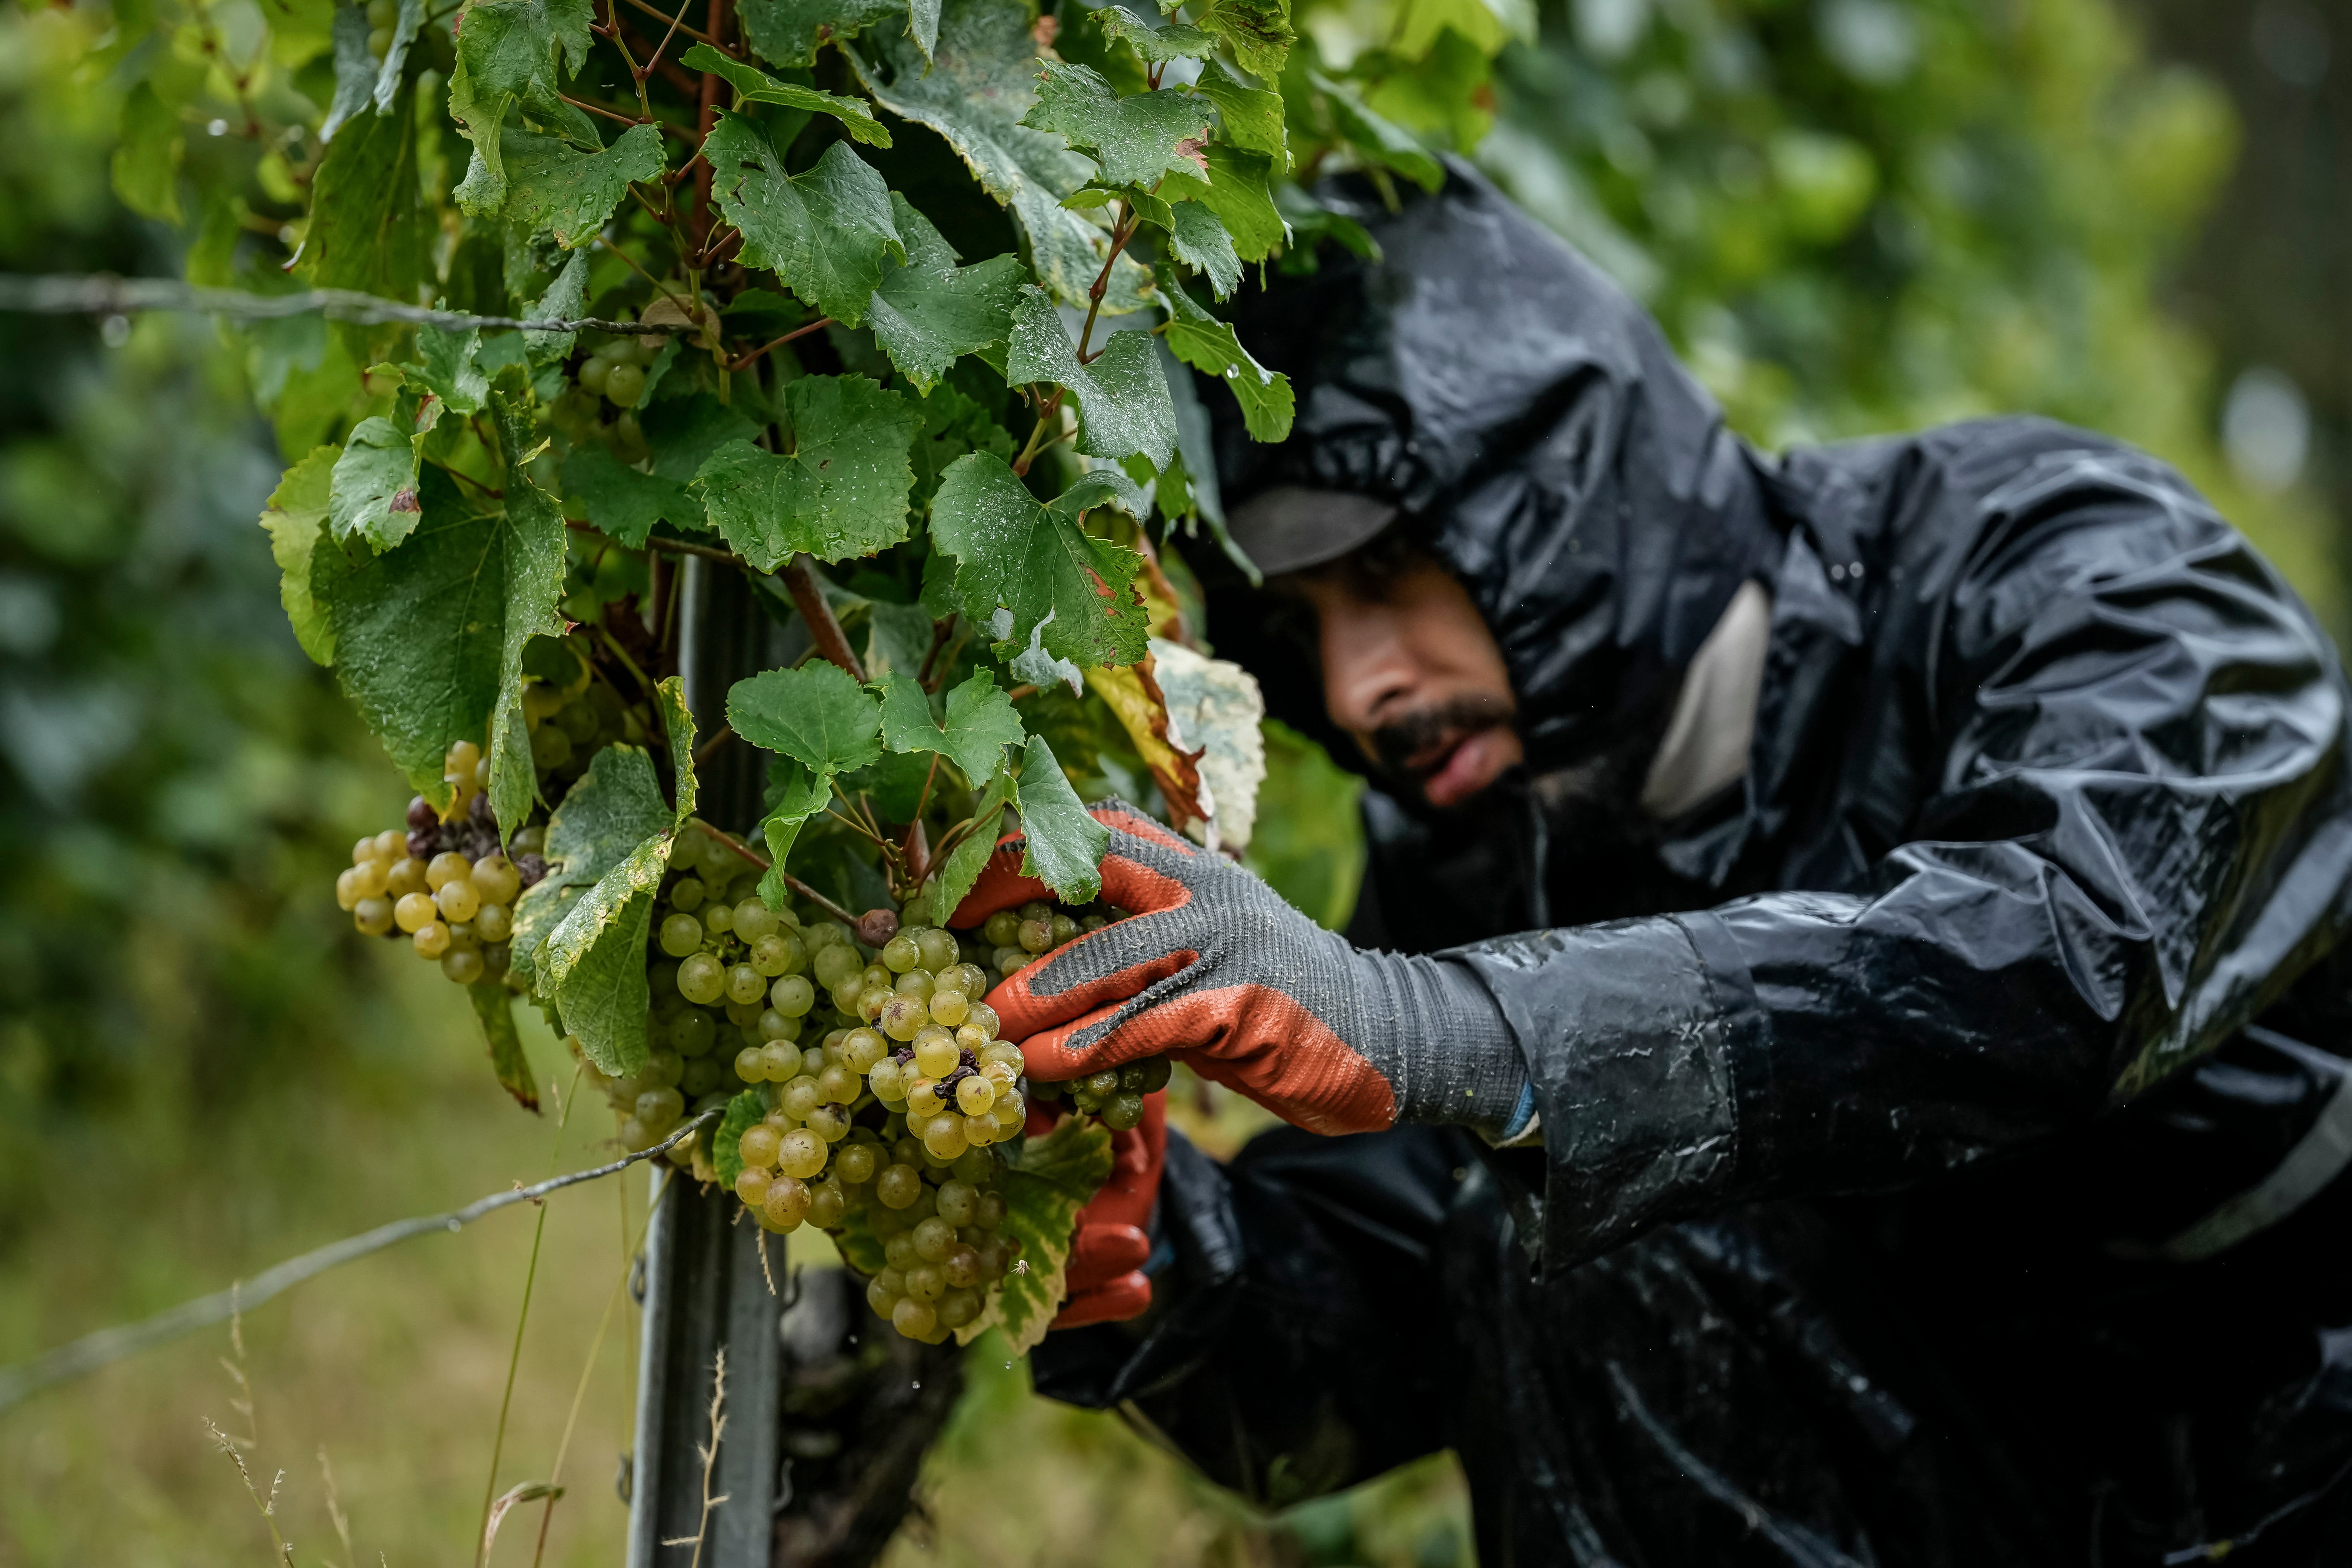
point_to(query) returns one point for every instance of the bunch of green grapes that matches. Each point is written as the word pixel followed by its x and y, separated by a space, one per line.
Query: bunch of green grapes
pixel 444 883
pixel 615 370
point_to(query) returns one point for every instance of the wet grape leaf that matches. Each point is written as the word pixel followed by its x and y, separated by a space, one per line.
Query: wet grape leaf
pixel 955 876
pixel 677 733
pixel 1212 347
pixel 593 962
pixel 1258 32
pixel 1238 191
pixel 1032 562
pixel 1123 403
pixel 420 630
pixel 744 1113
pixel 756 86
pixel 804 795
pixel 825 232
pixel 367 228
pixel 1052 1179
pixel 355 69
pixel 840 493
pixel 446 366
pixel 510 50
pixel 374 492
pixel 815 714
pixel 1135 138
pixel 554 189
pixel 623 503
pixel 566 300
pixel 929 313
pixel 1154 45
pixel 979 723
pixel 610 810
pixel 494 1009
pixel 533 585
pixel 1201 242
pixel 952 424
pixel 1065 843
pixel 684 431
pixel 1248 117
pixel 297 511
pixel 786 32
pixel 975 96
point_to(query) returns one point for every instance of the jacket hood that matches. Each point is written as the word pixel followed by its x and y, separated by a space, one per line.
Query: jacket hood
pixel 1537 433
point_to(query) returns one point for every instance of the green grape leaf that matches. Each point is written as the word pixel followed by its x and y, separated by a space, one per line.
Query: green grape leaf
pixel 420 632
pixel 1020 565
pixel 553 188
pixel 684 431
pixel 375 495
pixel 954 877
pixel 975 97
pixel 1250 117
pixel 405 22
pixel 147 157
pixel 1135 139
pixel 1258 32
pixel 297 511
pixel 1154 45
pixel 623 504
pixel 898 639
pixel 804 794
pixel 787 32
pixel 448 368
pixel 815 714
pixel 1212 347
pixel 1041 1211
pixel 367 229
pixel 355 70
pixel 1379 143
pixel 840 493
pixel 980 722
pixel 1238 193
pixel 494 1009
pixel 677 730
pixel 929 313
pixel 533 585
pixel 510 49
pixel 825 232
pixel 1123 403
pixel 594 960
pixel 952 426
pixel 1065 843
pixel 754 85
pixel 923 24
pixel 566 300
pixel 610 810
pixel 1075 1157
pixel 744 1113
pixel 1201 242
pixel 1485 26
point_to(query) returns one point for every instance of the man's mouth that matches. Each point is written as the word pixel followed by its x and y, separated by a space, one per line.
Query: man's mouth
pixel 1462 767
pixel 1452 750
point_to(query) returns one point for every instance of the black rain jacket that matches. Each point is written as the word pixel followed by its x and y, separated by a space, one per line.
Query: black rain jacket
pixel 1941 1132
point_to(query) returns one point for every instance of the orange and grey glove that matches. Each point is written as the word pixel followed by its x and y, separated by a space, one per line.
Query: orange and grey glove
pixel 1104 1280
pixel 1214 969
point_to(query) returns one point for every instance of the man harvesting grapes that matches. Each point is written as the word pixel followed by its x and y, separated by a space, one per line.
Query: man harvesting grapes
pixel 1839 1043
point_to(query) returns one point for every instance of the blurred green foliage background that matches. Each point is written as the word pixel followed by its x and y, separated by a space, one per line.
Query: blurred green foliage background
pixel 1851 215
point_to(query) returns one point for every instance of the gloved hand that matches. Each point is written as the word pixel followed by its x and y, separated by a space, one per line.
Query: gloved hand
pixel 1217 971
pixel 1104 1281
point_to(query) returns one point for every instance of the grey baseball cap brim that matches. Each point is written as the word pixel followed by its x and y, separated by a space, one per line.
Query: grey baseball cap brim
pixel 1291 528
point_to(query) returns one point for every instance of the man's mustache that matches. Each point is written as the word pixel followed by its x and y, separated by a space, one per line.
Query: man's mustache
pixel 1403 744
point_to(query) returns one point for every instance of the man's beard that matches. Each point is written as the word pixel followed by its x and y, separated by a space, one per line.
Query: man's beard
pixel 1415 744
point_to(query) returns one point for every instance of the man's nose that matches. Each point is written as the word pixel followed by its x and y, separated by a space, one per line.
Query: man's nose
pixel 1367 667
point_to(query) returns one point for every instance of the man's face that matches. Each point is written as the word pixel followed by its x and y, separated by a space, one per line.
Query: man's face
pixel 1411 672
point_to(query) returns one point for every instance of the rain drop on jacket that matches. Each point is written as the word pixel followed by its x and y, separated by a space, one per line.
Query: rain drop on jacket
pixel 1943 1131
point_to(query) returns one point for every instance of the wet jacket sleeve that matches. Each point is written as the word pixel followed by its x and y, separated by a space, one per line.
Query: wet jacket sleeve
pixel 2130 832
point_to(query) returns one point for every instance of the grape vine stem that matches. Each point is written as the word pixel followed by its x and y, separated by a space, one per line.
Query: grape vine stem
pixel 91 1352
pixel 800 581
pixel 794 883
